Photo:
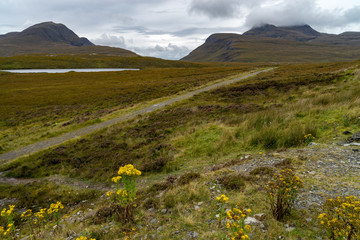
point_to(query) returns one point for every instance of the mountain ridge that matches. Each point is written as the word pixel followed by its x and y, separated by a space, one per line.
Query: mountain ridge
pixel 299 43
pixel 52 38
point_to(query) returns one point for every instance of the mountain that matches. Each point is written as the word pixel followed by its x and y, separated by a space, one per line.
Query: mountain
pixel 52 38
pixel 295 33
pixel 269 43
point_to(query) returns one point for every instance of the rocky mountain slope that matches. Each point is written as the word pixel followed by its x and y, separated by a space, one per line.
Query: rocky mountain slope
pixel 54 38
pixel 269 43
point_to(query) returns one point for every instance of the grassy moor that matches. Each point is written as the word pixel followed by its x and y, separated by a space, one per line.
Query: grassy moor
pixel 258 159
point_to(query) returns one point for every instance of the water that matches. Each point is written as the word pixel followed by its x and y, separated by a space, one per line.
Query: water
pixel 70 70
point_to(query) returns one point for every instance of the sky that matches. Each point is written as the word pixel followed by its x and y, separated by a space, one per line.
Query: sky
pixel 170 29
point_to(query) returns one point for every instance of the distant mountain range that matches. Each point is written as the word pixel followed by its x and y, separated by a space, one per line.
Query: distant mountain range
pixel 269 43
pixel 52 38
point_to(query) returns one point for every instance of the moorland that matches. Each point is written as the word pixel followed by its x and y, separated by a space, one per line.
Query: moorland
pixel 228 141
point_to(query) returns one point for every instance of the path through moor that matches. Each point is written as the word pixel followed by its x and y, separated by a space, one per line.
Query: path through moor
pixel 51 142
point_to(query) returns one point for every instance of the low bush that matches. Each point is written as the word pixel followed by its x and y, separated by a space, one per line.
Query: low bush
pixel 282 192
pixel 262 171
pixel 233 181
pixel 187 178
pixel 341 218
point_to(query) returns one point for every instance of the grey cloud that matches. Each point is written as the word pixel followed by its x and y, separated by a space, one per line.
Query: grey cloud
pixel 223 8
pixel 297 12
pixel 125 29
pixel 180 33
pixel 215 8
pixel 207 31
pixel 171 51
pixel 109 40
pixel 352 15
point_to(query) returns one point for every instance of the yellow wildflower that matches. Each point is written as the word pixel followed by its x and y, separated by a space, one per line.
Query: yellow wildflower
pixel 223 199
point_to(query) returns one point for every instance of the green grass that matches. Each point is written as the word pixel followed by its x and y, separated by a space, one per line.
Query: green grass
pixel 34 107
pixel 201 141
pixel 42 193
pixel 38 61
pixel 212 127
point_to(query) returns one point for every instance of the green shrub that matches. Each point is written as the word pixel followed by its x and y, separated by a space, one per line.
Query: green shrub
pixel 187 178
pixel 233 182
pixel 262 171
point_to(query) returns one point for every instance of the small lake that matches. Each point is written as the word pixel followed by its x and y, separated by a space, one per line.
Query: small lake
pixel 70 70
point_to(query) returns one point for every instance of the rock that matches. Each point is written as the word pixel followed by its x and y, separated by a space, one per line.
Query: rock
pixel 151 209
pixel 192 235
pixel 289 229
pixel 153 221
pixel 313 144
pixel 254 222
pixel 197 207
pixel 260 216
pixel 163 211
pixel 356 137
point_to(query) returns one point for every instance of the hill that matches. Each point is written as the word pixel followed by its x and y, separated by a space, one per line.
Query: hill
pixel 52 38
pixel 269 43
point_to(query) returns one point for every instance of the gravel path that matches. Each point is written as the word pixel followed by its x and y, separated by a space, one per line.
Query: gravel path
pixel 51 142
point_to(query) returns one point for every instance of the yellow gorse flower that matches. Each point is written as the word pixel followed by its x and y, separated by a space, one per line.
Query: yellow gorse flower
pixel 341 217
pixel 309 136
pixel 84 238
pixel 236 222
pixel 26 214
pixel 116 179
pixel 223 199
pixel 129 170
pixel 122 193
pixel 55 207
pixel 7 212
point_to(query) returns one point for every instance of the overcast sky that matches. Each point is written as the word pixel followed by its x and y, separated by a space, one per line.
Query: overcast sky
pixel 170 29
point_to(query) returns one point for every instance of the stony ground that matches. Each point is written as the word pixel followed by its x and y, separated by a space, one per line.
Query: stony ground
pixel 328 170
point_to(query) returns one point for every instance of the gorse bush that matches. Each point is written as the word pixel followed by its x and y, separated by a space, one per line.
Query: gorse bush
pixel 222 200
pixel 125 197
pixel 8 231
pixel 236 223
pixel 35 221
pixel 84 238
pixel 235 219
pixel 309 138
pixel 282 191
pixel 341 218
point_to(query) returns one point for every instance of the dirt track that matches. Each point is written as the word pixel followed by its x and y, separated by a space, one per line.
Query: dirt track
pixel 51 142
